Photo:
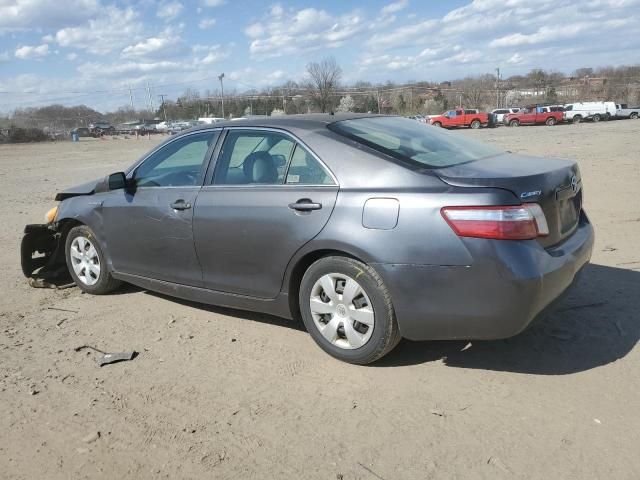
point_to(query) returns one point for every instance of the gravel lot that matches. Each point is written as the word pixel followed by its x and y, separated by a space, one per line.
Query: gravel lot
pixel 217 393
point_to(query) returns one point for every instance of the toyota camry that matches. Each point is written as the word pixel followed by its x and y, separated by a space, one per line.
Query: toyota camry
pixel 368 228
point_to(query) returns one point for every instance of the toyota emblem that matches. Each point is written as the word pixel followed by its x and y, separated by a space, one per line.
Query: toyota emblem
pixel 574 184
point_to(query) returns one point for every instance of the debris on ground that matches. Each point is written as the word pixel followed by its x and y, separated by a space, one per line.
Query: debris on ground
pixel 109 358
pixel 92 437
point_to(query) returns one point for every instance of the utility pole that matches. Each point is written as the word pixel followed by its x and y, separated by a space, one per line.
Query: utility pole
pixel 220 77
pixel 150 97
pixel 378 95
pixel 498 87
pixel 163 109
pixel 131 96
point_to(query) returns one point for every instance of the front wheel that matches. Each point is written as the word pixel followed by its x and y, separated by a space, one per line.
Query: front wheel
pixel 514 123
pixel 550 121
pixel 437 124
pixel 475 124
pixel 577 119
pixel 347 310
pixel 86 262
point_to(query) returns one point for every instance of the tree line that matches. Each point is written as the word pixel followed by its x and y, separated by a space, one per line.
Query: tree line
pixel 323 91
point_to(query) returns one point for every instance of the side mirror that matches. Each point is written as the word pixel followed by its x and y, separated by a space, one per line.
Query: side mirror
pixel 117 181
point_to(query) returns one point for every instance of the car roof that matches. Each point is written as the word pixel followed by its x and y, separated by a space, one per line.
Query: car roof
pixel 311 121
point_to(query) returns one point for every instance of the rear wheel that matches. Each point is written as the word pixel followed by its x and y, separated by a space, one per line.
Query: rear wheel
pixel 514 123
pixel 86 262
pixel 550 121
pixel 596 118
pixel 633 115
pixel 475 124
pixel 347 310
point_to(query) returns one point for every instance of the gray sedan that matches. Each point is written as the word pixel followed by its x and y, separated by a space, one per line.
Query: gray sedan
pixel 369 228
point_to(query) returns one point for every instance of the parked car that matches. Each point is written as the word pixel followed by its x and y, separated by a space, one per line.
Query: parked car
pixel 370 228
pixel 460 118
pixel 501 112
pixel 145 128
pixel 102 128
pixel 594 111
pixel 534 115
pixel 623 111
pixel 81 132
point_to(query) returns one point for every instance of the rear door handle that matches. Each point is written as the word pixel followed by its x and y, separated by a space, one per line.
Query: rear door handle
pixel 180 205
pixel 305 205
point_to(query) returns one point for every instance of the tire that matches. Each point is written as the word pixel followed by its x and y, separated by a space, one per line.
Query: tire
pixel 437 124
pixel 633 115
pixel 551 121
pixel 596 118
pixel 372 301
pixel 475 124
pixel 514 123
pixel 82 251
pixel 577 119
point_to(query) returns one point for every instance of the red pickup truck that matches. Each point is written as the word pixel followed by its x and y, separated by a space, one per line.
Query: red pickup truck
pixel 460 118
pixel 535 115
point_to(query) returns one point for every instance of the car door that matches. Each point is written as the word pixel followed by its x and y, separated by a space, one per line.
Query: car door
pixel 149 226
pixel 269 196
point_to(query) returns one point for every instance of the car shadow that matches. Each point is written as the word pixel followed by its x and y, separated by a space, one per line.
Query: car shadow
pixel 232 312
pixel 598 323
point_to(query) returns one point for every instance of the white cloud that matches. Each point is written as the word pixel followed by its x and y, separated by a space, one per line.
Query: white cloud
pixel 295 31
pixel 130 69
pixel 72 56
pixel 112 30
pixel 213 3
pixel 18 15
pixel 28 53
pixel 206 23
pixel 394 7
pixel 156 48
pixel 169 10
pixel 214 53
pixel 405 35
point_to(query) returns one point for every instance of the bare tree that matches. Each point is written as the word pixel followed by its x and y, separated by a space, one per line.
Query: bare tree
pixel 323 80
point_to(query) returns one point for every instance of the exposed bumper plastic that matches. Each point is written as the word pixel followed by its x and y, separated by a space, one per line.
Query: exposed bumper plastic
pixel 38 248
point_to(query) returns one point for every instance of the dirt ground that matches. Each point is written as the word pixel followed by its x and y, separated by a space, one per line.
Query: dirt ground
pixel 222 394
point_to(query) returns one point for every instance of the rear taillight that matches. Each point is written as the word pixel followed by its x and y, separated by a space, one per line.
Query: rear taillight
pixel 511 222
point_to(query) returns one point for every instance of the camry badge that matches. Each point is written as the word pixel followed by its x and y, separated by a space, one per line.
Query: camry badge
pixel 530 194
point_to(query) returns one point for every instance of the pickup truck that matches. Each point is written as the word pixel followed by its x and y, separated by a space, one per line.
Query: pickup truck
pixel 460 118
pixel 622 111
pixel 534 115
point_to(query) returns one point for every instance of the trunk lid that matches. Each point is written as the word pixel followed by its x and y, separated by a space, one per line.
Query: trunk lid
pixel 554 184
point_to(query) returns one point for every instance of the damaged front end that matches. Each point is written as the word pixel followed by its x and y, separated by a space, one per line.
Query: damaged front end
pixel 42 257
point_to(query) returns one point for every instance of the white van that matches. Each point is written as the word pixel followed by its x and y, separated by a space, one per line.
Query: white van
pixel 210 120
pixel 594 111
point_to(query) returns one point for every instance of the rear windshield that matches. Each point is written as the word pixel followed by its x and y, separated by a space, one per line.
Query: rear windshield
pixel 416 143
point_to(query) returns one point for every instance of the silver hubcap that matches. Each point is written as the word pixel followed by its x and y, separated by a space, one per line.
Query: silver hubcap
pixel 85 260
pixel 342 311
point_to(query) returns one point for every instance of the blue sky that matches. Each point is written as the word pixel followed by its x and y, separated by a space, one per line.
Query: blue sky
pixel 91 51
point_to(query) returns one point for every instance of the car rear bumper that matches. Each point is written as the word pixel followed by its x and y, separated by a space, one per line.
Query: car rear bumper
pixel 507 286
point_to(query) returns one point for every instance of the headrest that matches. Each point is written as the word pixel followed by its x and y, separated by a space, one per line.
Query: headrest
pixel 259 167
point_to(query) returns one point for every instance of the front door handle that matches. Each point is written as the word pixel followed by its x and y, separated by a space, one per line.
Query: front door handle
pixel 305 205
pixel 180 205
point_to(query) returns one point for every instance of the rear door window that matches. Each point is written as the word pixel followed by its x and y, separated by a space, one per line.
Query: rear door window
pixel 306 170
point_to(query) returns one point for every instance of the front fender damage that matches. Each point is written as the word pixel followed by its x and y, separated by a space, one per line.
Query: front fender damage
pixel 42 256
